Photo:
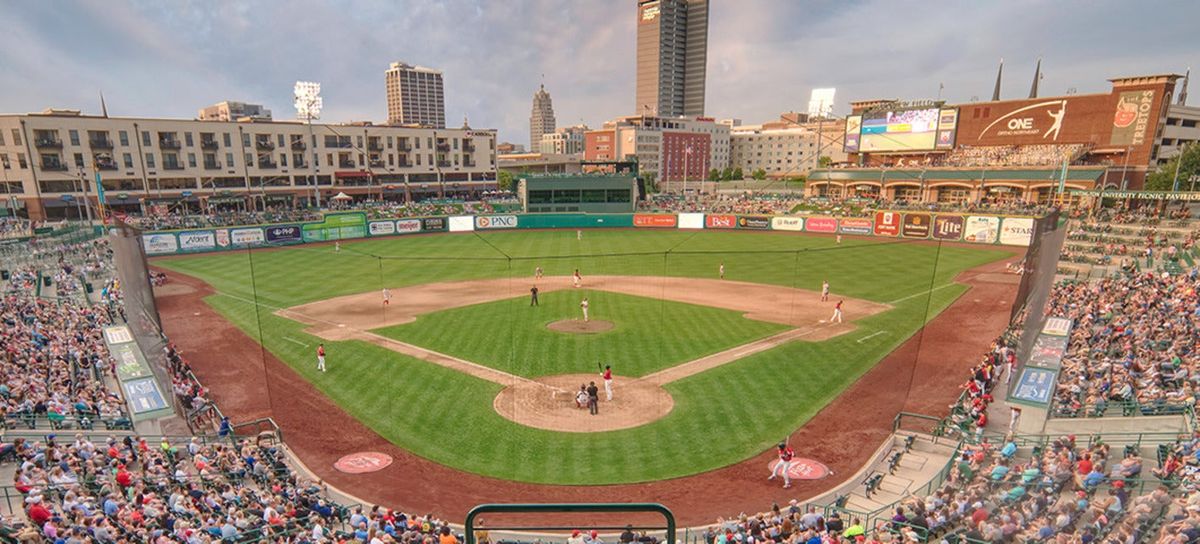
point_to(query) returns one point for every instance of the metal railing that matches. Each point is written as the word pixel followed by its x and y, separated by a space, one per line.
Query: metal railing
pixel 1116 408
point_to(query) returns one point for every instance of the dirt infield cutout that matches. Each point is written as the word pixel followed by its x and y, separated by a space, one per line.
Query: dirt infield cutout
pixel 548 402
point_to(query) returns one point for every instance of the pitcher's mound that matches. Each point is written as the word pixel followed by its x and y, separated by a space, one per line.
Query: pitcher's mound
pixel 579 326
pixel 549 403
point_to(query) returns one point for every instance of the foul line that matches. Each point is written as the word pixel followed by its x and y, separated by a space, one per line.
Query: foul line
pixel 294 341
pixel 922 293
pixel 869 336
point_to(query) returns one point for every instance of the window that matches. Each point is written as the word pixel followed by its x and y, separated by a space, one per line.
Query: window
pixel 329 159
pixel 17 138
pixel 429 142
pixel 249 159
pixel 127 158
pixel 618 195
pixel 359 140
pixel 541 197
pixel 246 141
pixel 21 156
pixel 78 158
pixel 389 140
pixel 228 143
pixel 418 157
pixel 4 161
pixel 455 140
pixel 124 136
pixel 187 139
pixel 146 138
pixel 74 134
pixel 191 156
pixel 281 140
pixel 330 141
pixel 418 142
pixel 282 158
pixel 228 157
pixel 149 156
pixel 391 159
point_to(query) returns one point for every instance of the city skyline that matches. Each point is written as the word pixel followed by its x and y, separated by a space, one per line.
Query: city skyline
pixel 170 59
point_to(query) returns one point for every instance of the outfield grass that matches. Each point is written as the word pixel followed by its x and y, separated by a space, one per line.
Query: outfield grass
pixel 721 416
pixel 650 335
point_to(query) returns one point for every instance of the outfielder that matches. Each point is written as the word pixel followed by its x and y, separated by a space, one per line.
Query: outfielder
pixel 721 270
pixel 825 291
pixel 578 279
pixel 578 234
pixel 837 313
pixel 608 387
pixel 321 357
pixel 387 296
pixel 584 306
pixel 786 454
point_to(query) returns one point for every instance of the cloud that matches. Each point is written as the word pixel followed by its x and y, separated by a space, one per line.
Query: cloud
pixel 154 58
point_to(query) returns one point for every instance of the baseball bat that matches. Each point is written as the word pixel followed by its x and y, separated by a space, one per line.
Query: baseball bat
pixel 598 367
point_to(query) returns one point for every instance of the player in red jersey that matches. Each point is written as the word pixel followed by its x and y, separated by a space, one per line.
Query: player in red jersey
pixel 786 454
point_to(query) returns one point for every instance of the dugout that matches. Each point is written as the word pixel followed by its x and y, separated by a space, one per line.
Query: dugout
pixel 584 193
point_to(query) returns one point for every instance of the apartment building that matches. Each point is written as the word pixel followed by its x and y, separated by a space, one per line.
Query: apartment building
pixel 564 141
pixel 673 148
pixel 233 111
pixel 787 147
pixel 45 156
pixel 415 96
pixel 1181 128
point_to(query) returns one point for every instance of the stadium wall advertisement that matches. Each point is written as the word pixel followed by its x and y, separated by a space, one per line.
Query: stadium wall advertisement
pixel 977 229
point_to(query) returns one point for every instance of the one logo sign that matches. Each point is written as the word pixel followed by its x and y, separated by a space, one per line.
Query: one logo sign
pixel 803 469
pixel 821 224
pixel 787 223
pixel 656 220
pixel 408 225
pixel 855 225
pixel 916 225
pixel 753 222
pixel 1028 124
pixel 496 222
pixel 720 221
pixel 947 227
pixel 363 462
pixel 887 223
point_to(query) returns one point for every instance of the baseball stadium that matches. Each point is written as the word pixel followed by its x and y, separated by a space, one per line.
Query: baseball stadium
pixel 963 334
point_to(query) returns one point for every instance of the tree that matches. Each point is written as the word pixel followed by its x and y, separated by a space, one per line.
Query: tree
pixel 1163 179
pixel 649 179
pixel 824 161
pixel 759 174
pixel 737 174
pixel 714 175
pixel 727 173
pixel 505 181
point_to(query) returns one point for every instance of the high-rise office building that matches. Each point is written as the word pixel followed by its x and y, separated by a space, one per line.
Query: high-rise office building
pixel 672 55
pixel 414 96
pixel 232 111
pixel 541 119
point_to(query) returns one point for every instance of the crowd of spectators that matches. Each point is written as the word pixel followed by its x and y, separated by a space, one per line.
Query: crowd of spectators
pixel 1011 155
pixel 224 218
pixel 14 227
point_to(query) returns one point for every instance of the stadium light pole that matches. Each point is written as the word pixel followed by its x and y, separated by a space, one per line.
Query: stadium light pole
pixel 308 105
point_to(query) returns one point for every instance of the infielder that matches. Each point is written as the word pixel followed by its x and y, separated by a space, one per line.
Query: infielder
pixel 578 279
pixel 608 387
pixel 321 357
pixel 387 296
pixel 584 306
pixel 537 273
pixel 825 291
pixel 837 313
pixel 786 454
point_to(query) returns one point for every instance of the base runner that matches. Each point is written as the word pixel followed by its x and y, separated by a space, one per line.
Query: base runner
pixel 837 312
pixel 786 454
pixel 321 357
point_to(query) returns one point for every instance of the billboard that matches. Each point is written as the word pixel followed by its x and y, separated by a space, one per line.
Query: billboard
pixel 433 223
pixel 887 223
pixel 247 237
pixel 197 240
pixel 904 130
pixel 381 228
pixel 821 224
pixel 948 227
pixel 853 126
pixel 462 223
pixel 408 226
pixel 691 220
pixel 157 244
pixel 654 220
pixel 753 222
pixel 496 222
pixel 981 229
pixel 947 127
pixel 855 225
pixel 1016 231
pixel 283 234
pixel 720 221
pixel 787 223
pixel 1132 117
pixel 915 225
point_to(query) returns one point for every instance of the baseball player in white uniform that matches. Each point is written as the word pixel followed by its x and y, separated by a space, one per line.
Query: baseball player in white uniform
pixel 825 291
pixel 387 296
pixel 584 306
pixel 577 278
pixel 721 270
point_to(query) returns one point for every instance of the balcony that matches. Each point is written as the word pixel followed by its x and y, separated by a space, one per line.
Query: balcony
pixel 209 144
pixel 375 163
pixel 106 165
pixel 346 164
pixel 299 164
pixel 264 144
pixel 54 166
pixel 169 144
pixel 469 164
pixel 268 165
pixel 375 146
pixel 100 143
pixel 48 142
pixel 405 164
pixel 469 147
pixel 212 165
pixel 443 164
pixel 172 166
pixel 443 147
pixel 298 145
pixel 404 146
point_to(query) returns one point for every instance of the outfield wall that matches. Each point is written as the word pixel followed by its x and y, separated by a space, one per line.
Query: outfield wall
pixel 908 225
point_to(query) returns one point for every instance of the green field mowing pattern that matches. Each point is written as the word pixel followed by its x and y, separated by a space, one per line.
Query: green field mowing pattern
pixel 650 335
pixel 721 416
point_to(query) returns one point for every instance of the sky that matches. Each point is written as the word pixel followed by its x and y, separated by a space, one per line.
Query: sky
pixel 168 58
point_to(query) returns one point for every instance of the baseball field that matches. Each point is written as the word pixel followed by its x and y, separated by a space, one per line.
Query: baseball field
pixel 460 369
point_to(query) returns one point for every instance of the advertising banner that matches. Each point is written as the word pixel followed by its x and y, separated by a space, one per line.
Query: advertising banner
pixel 336 226
pixel 855 225
pixel 462 223
pixel 433 223
pixel 1035 385
pixel 720 221
pixel 1048 351
pixel 947 123
pixel 246 237
pixel 691 220
pixel 1016 231
pixel 948 227
pixel 853 129
pixel 654 220
pixel 197 240
pixel 821 224
pixel 408 226
pixel 381 228
pixel 496 222
pixel 223 238
pixel 158 244
pixel 1132 117
pixel 1057 326
pixel 143 396
pixel 787 223
pixel 887 223
pixel 283 234
pixel 981 229
pixel 753 222
pixel 916 225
